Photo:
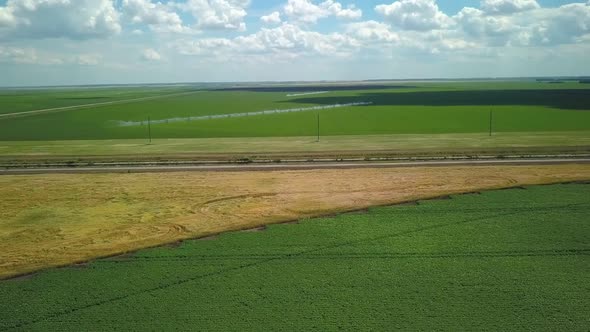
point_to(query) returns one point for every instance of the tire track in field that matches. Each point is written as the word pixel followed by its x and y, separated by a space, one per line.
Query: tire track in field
pixel 238 197
pixel 425 228
pixel 382 255
pixel 267 260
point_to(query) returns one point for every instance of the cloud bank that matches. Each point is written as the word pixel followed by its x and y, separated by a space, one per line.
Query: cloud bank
pixel 304 33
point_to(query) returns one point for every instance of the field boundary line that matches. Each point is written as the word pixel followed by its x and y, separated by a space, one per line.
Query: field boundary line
pixel 105 103
pixel 376 255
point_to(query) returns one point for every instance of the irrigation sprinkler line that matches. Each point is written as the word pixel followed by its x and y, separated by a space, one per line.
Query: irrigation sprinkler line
pixel 237 115
pixel 307 93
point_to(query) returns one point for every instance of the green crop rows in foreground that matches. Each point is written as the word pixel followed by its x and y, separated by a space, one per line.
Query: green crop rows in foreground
pixel 398 109
pixel 503 260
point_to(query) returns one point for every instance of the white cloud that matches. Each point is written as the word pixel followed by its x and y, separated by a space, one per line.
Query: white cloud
pixel 27 55
pixel 335 8
pixel 305 11
pixel 18 55
pixel 477 24
pixel 372 31
pixel 32 56
pixel 294 38
pixel 413 36
pixel 442 41
pixel 554 26
pixel 273 18
pixel 206 47
pixel 419 15
pixel 7 18
pixel 542 26
pixel 80 19
pixel 287 41
pixel 88 59
pixel 160 17
pixel 150 55
pixel 508 6
pixel 217 14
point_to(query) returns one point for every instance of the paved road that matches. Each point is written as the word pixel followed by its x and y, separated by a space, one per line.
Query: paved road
pixel 66 108
pixel 284 167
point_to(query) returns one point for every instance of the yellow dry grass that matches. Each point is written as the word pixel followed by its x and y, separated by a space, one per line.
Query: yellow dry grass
pixel 53 220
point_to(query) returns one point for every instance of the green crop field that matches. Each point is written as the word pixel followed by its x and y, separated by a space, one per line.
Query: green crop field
pixel 504 260
pixel 17 101
pixel 421 108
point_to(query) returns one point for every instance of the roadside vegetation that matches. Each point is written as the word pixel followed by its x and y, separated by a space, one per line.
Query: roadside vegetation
pixel 296 148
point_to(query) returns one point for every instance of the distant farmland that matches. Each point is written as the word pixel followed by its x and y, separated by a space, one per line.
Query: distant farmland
pixel 26 100
pixel 426 108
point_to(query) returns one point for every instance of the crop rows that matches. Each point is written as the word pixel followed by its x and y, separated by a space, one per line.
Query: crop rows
pixel 503 260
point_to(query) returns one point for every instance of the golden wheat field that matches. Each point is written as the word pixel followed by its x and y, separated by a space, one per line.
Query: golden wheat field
pixel 54 220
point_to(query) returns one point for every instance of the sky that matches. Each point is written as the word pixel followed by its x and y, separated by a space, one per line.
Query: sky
pixel 72 42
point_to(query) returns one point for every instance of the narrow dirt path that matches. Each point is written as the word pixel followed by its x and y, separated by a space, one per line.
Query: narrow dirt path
pixel 156 168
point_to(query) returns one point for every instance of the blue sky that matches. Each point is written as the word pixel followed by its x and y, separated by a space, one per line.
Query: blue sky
pixel 58 42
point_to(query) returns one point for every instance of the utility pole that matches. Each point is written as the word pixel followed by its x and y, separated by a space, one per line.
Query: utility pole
pixel 149 130
pixel 318 127
pixel 491 121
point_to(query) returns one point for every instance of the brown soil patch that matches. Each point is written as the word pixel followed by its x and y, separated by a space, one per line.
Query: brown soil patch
pixel 294 222
pixel 254 230
pixel 175 244
pixel 209 238
pixel 23 277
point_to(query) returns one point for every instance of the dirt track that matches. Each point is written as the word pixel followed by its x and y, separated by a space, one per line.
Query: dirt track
pixel 155 168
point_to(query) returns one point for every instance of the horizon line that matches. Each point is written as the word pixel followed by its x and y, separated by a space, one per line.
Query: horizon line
pixel 500 78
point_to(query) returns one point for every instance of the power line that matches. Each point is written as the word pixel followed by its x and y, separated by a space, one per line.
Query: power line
pixel 149 130
pixel 318 127
pixel 491 121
